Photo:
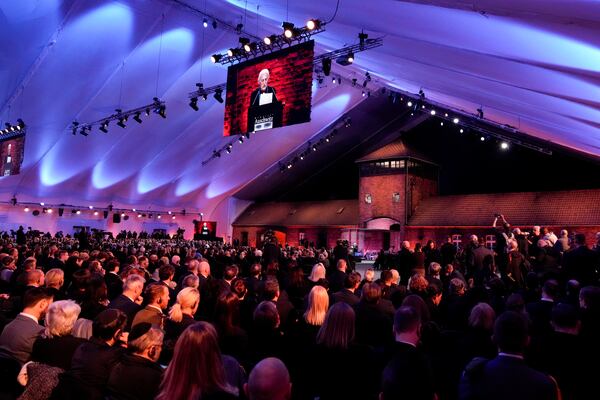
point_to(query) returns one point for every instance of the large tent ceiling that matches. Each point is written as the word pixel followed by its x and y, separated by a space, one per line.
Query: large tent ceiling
pixel 533 65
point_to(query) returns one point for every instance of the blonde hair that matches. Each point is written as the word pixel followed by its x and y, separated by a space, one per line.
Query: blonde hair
pixel 188 298
pixel 318 303
pixel 55 277
pixel 318 272
pixel 61 317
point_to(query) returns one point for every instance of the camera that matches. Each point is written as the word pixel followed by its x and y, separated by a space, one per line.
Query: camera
pixel 497 215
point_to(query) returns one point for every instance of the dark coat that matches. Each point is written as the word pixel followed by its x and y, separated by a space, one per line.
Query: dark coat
pixel 18 337
pixel 134 378
pixel 345 296
pixel 56 351
pixel 408 375
pixel 125 304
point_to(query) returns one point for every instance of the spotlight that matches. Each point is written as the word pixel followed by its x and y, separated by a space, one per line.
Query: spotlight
pixel 138 117
pixel 288 29
pixel 289 165
pixel 173 217
pixel 442 123
pixel 13 201
pixel 239 27
pixel 204 97
pixel 216 154
pixel 327 139
pixel 42 204
pixel 96 213
pixel 122 215
pixel 504 146
pixel 421 94
pixel 110 207
pixel 244 41
pixel 205 22
pixel 480 113
pixel 353 81
pixel 49 211
pixel 362 37
pixel 314 148
pixel 194 103
pixel 250 47
pixel 363 93
pixel 228 148
pixel 269 40
pixel 214 24
pixel 215 58
pixel 247 134
pixel 326 63
pixel 183 212
pixel 26 209
pixel 347 122
pixel 78 212
pixel 104 126
pixel 218 96
pixel 133 209
pixel 350 57
pixel 170 212
pixel 139 215
pixel 85 130
pixel 313 24
pixel 482 138
pixel 148 112
pixel 456 120
pixel 121 122
pixel 158 216
pixel 36 213
pixel 333 80
pixel 230 52
pixel 461 131
pixel 432 112
pixel 302 156
pixel 20 124
pixel 75 127
pixel 162 111
pixel 241 140
pixel 410 103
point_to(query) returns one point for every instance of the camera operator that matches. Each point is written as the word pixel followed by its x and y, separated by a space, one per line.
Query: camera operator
pixel 522 242
pixel 503 234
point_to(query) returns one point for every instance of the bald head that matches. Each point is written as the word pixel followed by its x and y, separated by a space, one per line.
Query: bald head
pixel 269 380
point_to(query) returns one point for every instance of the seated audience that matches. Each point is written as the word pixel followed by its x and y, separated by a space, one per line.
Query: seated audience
pixel 129 301
pixel 157 296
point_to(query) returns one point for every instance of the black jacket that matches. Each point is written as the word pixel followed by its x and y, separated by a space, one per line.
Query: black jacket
pixel 134 378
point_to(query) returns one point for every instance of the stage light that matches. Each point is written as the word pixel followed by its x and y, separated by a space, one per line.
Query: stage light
pixel 49 211
pixel 42 204
pixel 35 213
pixel 20 124
pixel 362 37
pixel 327 139
pixel 244 41
pixel 173 217
pixel 456 120
pixel 162 111
pixel 26 209
pixel 230 52
pixel 302 156
pixel 442 123
pixel 289 165
pixel 139 215
pixel 170 212
pixel 410 103
pixel 218 96
pixel 194 103
pixel 333 80
pixel 215 58
pixel 78 212
pixel 367 79
pixel 347 122
pixel 313 24
pixel 228 148
pixel 482 138
pixel 353 82
pixel 480 113
pixel 204 97
pixel 288 29
pixel 250 47
pixel 350 57
pixel 461 131
pixel 363 93
pixel 138 117
pixel 148 112
pixel 121 122
pixel 269 40
pixel 326 64
pixel 421 94
pixel 216 154
pixel 205 22
pixel 238 28
pixel 104 126
pixel 241 140
pixel 432 112
pixel 158 216
pixel 314 148
pixel 247 134
pixel 133 209
pixel 74 128
pixel 96 213
pixel 122 215
pixel 85 130
pixel 504 146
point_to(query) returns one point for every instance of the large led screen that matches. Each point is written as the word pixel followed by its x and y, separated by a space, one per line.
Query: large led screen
pixel 270 91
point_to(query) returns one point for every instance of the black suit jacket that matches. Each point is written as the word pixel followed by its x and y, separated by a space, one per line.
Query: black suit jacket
pixel 345 296
pixel 336 280
pixel 581 264
pixel 255 97
pixel 56 351
pixel 114 285
pixel 505 378
pixel 408 375
pixel 134 378
pixel 125 304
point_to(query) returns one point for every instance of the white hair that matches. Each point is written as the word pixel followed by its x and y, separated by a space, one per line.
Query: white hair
pixel 264 72
pixel 133 282
pixel 61 317
pixel 204 268
pixel 318 272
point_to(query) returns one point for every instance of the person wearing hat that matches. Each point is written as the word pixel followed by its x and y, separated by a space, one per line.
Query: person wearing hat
pixel 93 361
pixel 138 374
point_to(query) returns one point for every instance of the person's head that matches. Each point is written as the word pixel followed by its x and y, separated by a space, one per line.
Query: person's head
pixel 55 278
pixel 515 302
pixel 175 260
pixel 536 230
pixel 108 325
pixel 255 270
pixel 97 290
pixel 407 324
pixel 580 239
pixel 457 287
pixel 8 262
pixel 387 277
pixel 417 303
pixel 36 302
pixel 517 231
pixel 564 233
pixel 474 240
pixel 271 289
pixel 166 273
pixel 434 268
pixel 157 295
pixel 317 273
pixel 482 317
pixel 61 317
pixel 191 281
pixel 133 286
pixel 230 273
pixel 589 298
pixel 418 284
pixel 352 281
pixel 203 268
pixel 511 332
pixel 227 312
pixel 29 264
pixel 342 265
pixel 551 289
pixel 337 330
pixel 318 302
pixel 113 266
pixel 369 274
pixel 266 316
pixel 371 293
pixel 238 287
pixel 63 255
pixel 269 380
pixel 146 341
pixel 263 79
pixel 565 319
pixel 196 367
pixel 188 300
pixel 406 245
pixel 35 278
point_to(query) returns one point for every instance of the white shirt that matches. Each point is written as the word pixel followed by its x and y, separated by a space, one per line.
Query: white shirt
pixel 33 317
pixel 520 357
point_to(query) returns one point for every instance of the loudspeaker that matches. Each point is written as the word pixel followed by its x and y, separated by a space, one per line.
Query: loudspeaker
pixel 60 211
pixel 105 213
pixel 116 218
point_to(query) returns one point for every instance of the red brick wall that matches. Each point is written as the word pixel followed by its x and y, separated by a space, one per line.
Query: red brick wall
pixel 17 149
pixel 422 188
pixel 381 189
pixel 290 236
pixel 290 75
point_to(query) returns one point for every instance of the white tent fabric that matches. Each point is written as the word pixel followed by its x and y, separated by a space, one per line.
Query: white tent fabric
pixel 533 65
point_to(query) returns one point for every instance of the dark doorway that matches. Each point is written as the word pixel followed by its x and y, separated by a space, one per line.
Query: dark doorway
pixel 322 239
pixel 386 240
pixel 244 238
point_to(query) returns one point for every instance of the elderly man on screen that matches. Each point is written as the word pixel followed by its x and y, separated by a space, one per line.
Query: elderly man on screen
pixel 264 94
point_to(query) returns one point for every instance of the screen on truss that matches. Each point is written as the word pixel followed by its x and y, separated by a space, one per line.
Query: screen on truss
pixel 12 147
pixel 270 91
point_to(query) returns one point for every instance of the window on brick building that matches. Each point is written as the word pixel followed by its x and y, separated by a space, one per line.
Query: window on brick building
pixel 490 241
pixel 456 240
pixel 396 197
pixel 301 237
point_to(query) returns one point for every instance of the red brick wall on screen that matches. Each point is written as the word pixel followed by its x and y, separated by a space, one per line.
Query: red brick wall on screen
pixel 291 76
pixel 17 149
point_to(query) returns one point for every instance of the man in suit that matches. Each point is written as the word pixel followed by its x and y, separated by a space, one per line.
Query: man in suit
pixel 408 374
pixel 285 308
pixel 348 293
pixel 129 301
pixel 581 263
pixel 263 88
pixel 540 312
pixel 16 341
pixel 269 379
pixel 337 277
pixel 166 274
pixel 158 300
pixel 114 283
pixel 507 376
pixel 373 317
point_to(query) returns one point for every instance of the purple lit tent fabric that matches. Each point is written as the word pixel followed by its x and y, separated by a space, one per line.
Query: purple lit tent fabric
pixel 533 65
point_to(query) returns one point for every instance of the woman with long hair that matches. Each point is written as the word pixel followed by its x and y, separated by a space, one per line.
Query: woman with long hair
pixel 317 276
pixel 232 338
pixel 96 298
pixel 196 371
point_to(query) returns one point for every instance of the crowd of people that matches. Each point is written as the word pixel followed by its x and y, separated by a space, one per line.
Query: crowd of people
pixel 136 317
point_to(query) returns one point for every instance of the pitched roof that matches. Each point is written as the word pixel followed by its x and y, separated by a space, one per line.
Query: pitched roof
pixel 564 208
pixel 317 213
pixel 394 150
